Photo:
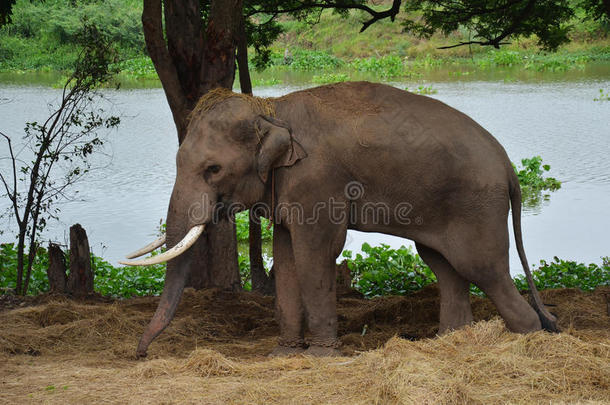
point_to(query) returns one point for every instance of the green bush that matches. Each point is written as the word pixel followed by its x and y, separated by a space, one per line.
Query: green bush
pixel 568 274
pixel 505 57
pixel 428 62
pixel 603 96
pixel 8 270
pixel 424 90
pixel 330 78
pixel 123 282
pixel 532 181
pixel 127 281
pixel 378 271
pixel 44 34
pixel 141 67
pixel 386 67
pixel 131 281
pixel 385 271
pixel 59 21
pixel 314 60
pixel 108 280
pixel 263 82
pixel 243 228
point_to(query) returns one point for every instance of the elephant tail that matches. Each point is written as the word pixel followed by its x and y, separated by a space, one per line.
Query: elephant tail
pixel 548 321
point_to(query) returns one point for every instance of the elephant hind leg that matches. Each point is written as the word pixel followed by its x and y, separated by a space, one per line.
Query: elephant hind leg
pixel 519 316
pixel 456 311
pixel 517 313
pixel 484 261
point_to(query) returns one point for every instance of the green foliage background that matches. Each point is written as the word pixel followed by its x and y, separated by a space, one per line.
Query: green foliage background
pixel 42 35
pixel 383 271
pixel 377 271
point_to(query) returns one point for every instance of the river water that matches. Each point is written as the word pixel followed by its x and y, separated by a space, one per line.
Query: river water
pixel 121 203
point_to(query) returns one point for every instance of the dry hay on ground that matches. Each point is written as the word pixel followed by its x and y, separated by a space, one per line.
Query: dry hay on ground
pixel 60 351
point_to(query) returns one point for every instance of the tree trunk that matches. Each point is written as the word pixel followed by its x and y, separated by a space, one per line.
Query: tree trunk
pixel 261 283
pixel 80 280
pixel 57 269
pixel 20 262
pixel 215 259
pixel 245 83
pixel 257 266
pixel 190 60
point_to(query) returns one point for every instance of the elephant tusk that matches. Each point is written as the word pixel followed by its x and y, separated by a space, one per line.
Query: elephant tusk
pixel 186 242
pixel 148 248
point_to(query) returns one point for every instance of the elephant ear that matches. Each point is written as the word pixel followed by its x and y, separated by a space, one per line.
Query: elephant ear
pixel 277 147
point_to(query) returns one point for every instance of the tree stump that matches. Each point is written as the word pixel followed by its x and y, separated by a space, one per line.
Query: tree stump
pixel 268 286
pixel 344 282
pixel 80 279
pixel 56 272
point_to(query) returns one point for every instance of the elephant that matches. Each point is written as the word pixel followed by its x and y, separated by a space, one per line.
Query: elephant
pixel 355 155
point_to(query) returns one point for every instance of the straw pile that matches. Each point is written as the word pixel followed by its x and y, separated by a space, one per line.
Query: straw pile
pixel 214 352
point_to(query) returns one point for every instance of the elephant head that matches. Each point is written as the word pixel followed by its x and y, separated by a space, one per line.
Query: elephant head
pixel 232 145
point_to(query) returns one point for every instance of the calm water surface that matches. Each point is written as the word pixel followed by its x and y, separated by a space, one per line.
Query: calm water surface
pixel 120 204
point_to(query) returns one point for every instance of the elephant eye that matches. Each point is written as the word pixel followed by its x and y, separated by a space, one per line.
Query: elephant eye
pixel 212 169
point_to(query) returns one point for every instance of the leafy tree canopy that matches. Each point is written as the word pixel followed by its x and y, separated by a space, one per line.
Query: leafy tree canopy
pixel 5 11
pixel 490 23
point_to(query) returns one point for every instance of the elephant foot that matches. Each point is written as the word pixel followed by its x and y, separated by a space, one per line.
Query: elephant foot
pixel 285 351
pixel 141 355
pixel 326 347
pixel 288 347
pixel 322 351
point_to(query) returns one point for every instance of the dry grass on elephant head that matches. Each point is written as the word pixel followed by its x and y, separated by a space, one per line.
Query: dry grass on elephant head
pixel 260 105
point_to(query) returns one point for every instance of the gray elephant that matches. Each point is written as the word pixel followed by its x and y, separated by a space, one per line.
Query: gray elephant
pixel 358 156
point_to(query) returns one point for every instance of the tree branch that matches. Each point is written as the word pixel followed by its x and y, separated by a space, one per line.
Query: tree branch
pixel 12 195
pixel 391 13
pixel 245 83
pixel 508 31
pixel 497 41
pixel 482 43
pixel 457 15
pixel 376 15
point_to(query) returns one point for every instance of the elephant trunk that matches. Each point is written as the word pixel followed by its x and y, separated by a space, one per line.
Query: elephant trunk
pixel 175 280
pixel 180 222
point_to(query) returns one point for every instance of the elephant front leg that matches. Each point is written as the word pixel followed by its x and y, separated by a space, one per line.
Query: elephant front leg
pixel 288 298
pixel 315 252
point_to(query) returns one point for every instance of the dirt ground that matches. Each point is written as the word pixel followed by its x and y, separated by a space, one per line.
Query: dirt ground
pixel 55 350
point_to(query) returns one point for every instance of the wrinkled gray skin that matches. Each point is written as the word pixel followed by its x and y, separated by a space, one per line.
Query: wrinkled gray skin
pixel 452 178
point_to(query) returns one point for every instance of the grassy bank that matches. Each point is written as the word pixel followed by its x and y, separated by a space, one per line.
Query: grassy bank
pixel 317 67
pixel 339 36
pixel 43 35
